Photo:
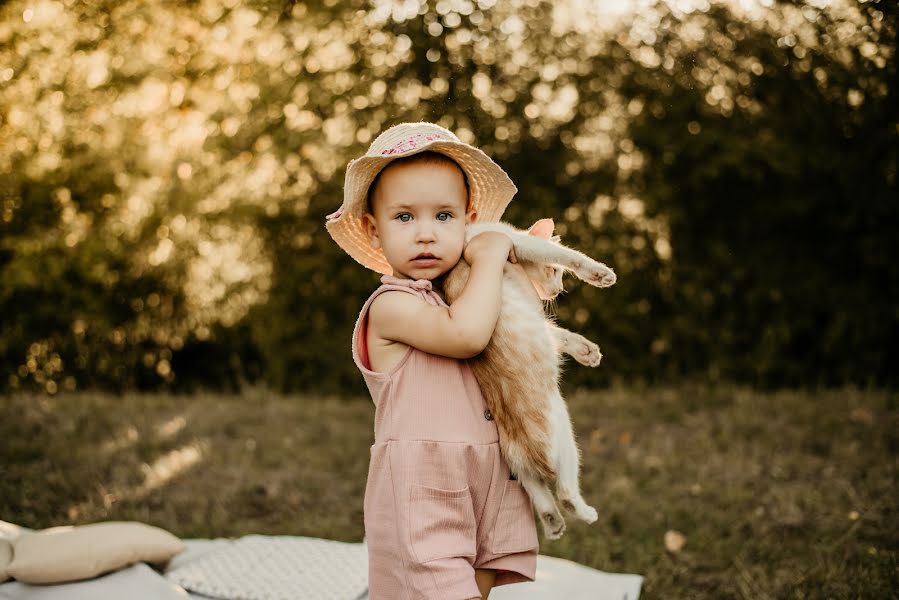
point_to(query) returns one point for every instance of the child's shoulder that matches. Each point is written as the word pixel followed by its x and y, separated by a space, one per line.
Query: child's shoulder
pixel 395 305
pixel 397 320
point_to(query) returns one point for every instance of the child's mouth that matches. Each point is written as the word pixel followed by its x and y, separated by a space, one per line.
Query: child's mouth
pixel 425 260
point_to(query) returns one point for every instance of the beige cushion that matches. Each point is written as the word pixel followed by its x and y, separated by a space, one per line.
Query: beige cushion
pixel 71 553
pixel 5 558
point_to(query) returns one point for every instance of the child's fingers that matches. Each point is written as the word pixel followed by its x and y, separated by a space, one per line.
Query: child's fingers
pixel 512 257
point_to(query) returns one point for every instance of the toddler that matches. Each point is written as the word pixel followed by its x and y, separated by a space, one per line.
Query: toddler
pixel 443 516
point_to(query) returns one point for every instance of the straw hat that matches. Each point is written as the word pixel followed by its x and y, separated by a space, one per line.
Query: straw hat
pixel 490 187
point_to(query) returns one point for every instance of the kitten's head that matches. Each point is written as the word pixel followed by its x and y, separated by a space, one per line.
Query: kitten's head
pixel 547 279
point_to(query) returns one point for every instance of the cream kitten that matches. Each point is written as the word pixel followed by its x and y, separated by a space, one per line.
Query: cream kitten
pixel 518 372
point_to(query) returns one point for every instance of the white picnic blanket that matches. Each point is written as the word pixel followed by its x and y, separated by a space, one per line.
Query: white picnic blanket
pixel 270 567
pixel 137 582
pixel 261 567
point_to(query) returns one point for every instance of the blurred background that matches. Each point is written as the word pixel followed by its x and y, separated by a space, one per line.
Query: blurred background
pixel 165 169
pixel 175 320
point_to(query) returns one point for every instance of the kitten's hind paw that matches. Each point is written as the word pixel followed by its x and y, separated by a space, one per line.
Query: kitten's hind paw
pixel 553 525
pixel 596 274
pixel 587 514
pixel 578 507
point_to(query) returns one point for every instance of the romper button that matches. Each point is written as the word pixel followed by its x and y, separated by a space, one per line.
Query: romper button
pixel 488 415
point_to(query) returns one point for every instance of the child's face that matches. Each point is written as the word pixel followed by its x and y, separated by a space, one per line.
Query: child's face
pixel 419 218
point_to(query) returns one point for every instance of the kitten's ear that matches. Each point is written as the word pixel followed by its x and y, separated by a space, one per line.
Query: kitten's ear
pixel 542 228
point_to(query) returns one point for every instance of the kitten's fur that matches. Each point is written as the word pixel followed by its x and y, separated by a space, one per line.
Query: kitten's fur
pixel 518 372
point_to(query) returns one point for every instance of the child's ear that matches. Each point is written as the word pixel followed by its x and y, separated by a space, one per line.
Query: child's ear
pixel 371 229
pixel 470 216
pixel 542 228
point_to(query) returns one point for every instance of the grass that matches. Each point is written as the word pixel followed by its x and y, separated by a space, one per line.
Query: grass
pixel 779 495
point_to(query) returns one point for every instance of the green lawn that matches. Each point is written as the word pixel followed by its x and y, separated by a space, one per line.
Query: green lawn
pixel 779 495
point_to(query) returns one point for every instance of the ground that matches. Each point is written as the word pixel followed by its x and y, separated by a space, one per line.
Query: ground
pixel 777 495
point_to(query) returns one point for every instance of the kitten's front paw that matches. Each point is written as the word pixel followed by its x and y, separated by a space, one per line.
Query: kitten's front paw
pixel 586 352
pixel 596 274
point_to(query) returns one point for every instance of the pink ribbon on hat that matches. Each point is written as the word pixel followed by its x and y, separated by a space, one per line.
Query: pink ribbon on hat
pixel 413 142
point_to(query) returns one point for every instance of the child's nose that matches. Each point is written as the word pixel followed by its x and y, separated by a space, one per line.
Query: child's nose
pixel 424 233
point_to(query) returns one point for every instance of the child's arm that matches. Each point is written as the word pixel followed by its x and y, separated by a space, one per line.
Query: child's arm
pixel 462 330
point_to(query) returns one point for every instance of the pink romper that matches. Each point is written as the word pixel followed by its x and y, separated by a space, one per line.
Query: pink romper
pixel 439 500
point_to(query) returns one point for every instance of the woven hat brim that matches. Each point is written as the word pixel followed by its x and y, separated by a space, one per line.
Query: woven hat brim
pixel 349 233
pixel 491 190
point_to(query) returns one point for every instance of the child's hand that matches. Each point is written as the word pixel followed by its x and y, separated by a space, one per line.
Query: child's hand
pixel 489 244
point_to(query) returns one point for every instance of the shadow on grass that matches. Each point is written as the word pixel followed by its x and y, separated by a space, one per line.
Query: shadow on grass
pixel 200 466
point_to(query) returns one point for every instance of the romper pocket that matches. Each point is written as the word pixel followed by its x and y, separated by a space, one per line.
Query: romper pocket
pixel 441 523
pixel 515 530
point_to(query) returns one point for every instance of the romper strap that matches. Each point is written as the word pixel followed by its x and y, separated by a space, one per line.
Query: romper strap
pixel 422 286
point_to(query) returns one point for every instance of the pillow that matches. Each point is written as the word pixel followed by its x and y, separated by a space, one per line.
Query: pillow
pixel 81 552
pixel 261 567
pixel 5 558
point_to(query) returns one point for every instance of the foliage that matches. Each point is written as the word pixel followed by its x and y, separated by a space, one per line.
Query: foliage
pixel 165 172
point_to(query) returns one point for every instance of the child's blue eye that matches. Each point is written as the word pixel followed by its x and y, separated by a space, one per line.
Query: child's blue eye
pixel 448 216
pixel 404 217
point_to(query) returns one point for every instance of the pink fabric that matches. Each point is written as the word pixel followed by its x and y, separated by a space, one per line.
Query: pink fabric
pixel 439 501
